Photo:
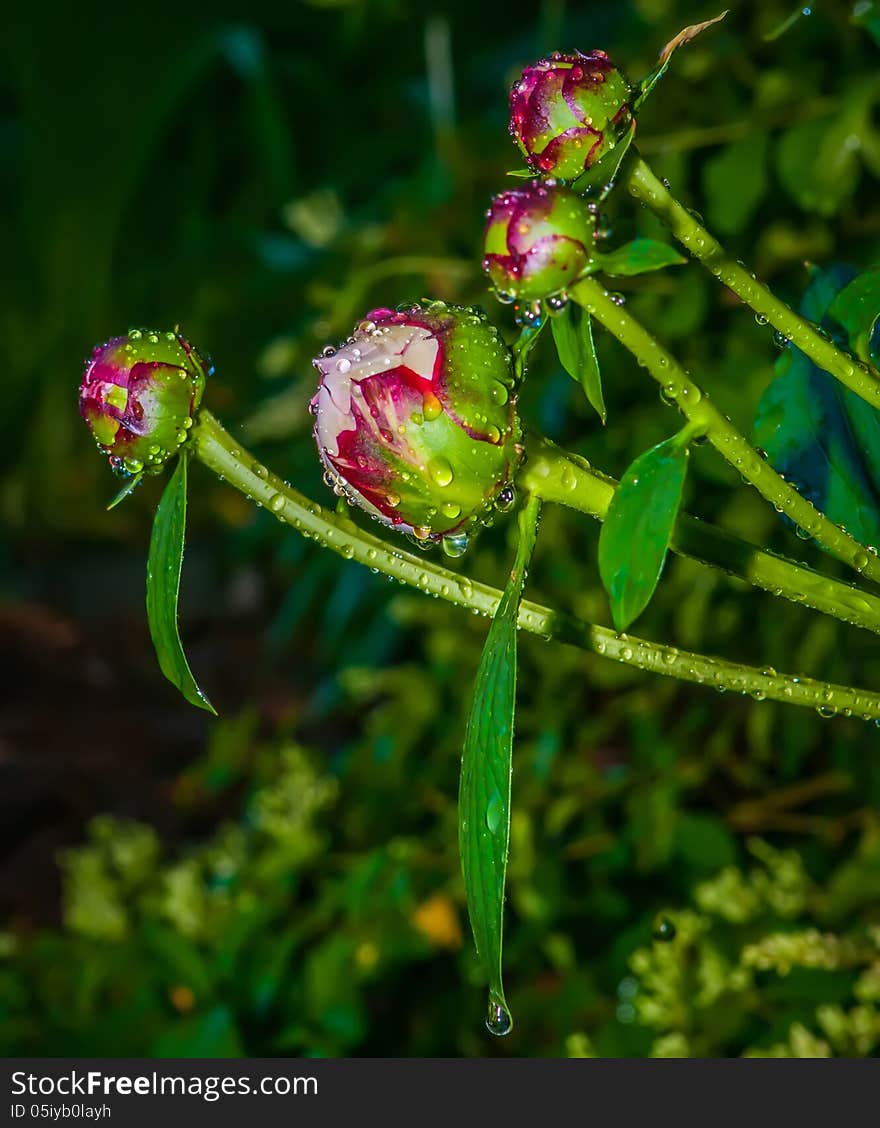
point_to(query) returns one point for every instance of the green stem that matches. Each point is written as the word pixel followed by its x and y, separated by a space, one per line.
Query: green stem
pixel 555 476
pixel 858 377
pixel 696 406
pixel 217 449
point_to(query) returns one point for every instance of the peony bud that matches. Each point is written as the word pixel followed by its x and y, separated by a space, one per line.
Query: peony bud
pixel 537 240
pixel 415 419
pixel 568 111
pixel 139 395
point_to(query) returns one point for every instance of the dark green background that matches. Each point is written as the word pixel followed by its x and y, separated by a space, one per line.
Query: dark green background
pixel 285 880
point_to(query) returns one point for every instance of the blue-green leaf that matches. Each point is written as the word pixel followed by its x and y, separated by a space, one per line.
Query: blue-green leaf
pixel 822 437
pixel 163 586
pixel 486 766
pixel 637 528
pixel 638 257
pixel 573 335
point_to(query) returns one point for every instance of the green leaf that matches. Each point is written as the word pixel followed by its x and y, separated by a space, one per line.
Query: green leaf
pixel 523 345
pixel 573 335
pixel 684 36
pixel 638 257
pixel 735 181
pixel 163 587
pixel 857 308
pixel 821 436
pixel 486 766
pixel 128 488
pixel 637 528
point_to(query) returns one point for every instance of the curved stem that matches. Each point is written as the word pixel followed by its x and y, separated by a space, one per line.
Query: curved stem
pixel 556 476
pixel 219 451
pixel 696 406
pixel 858 377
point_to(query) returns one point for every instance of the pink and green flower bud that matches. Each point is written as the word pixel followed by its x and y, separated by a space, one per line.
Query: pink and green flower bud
pixel 139 395
pixel 537 241
pixel 415 419
pixel 568 111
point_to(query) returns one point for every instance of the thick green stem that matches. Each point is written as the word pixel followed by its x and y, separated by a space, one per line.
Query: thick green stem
pixel 555 476
pixel 858 377
pixel 217 449
pixel 695 405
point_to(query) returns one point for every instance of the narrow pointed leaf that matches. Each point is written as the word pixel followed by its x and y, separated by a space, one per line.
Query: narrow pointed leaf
pixel 684 36
pixel 573 335
pixel 126 490
pixel 639 257
pixel 486 765
pixel 523 345
pixel 163 586
pixel 637 528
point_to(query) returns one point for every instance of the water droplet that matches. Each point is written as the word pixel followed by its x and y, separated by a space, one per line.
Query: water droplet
pixel 664 930
pixel 505 297
pixel 441 471
pixel 431 407
pixel 506 498
pixel 276 502
pixel 343 365
pixel 494 813
pixel 498 1018
pixel 456 545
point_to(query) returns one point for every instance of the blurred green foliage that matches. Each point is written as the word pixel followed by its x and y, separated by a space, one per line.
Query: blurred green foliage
pixel 291 882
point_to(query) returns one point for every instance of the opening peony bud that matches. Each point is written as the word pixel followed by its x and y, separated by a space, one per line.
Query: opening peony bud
pixel 568 111
pixel 537 240
pixel 415 419
pixel 139 395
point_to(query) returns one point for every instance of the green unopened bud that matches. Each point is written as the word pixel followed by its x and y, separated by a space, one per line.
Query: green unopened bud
pixel 139 395
pixel 537 241
pixel 568 111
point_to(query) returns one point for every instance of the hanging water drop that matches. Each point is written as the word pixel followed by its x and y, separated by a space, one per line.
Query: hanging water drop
pixel 498 1018
pixel 455 545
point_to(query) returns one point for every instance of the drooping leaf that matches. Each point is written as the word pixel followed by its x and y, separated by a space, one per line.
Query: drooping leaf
pixel 663 59
pixel 163 586
pixel 637 528
pixel 486 766
pixel 639 257
pixel 822 437
pixel 735 181
pixel 857 309
pixel 573 335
